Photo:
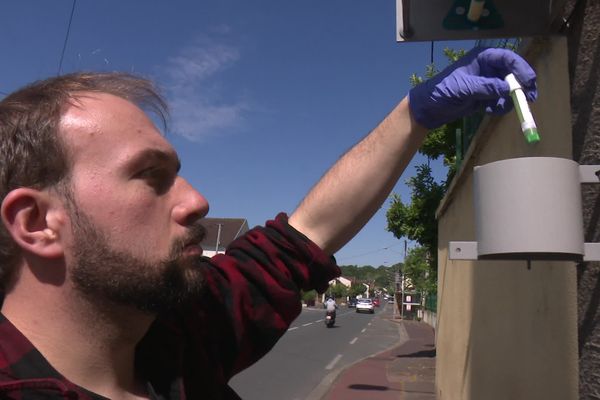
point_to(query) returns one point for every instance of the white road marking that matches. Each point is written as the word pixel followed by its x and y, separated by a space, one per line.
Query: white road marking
pixel 363 331
pixel 291 329
pixel 353 340
pixel 310 323
pixel 333 362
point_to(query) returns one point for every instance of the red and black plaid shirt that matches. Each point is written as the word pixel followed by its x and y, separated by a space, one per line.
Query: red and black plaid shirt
pixel 252 297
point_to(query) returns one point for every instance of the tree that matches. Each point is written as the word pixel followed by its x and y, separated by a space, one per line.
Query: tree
pixel 378 278
pixel 416 220
pixel 356 289
pixel 309 297
pixel 416 267
pixel 382 281
pixel 441 142
pixel 338 291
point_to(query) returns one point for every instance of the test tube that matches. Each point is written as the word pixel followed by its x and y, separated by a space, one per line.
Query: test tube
pixel 475 10
pixel 528 126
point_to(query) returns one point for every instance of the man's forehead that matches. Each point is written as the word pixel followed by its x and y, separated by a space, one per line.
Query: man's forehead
pixel 96 112
pixel 101 120
pixel 87 107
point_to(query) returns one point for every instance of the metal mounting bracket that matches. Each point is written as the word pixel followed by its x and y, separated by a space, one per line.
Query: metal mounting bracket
pixel 541 178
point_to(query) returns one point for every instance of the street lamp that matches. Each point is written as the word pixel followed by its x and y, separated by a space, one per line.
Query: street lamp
pixel 367 286
pixel 399 281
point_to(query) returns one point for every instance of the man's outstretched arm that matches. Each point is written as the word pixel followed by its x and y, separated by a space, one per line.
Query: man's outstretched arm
pixel 348 195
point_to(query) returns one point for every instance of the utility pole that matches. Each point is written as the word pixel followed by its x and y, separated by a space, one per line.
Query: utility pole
pixel 396 288
pixel 402 289
pixel 218 238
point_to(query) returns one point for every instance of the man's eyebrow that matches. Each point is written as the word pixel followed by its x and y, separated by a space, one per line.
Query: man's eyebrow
pixel 155 155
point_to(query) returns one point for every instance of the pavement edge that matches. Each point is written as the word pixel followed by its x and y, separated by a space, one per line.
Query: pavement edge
pixel 325 385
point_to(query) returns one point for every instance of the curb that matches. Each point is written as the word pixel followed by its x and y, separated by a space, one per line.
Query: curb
pixel 321 390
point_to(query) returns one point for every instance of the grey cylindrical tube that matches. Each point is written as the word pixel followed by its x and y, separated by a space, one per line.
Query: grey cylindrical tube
pixel 529 208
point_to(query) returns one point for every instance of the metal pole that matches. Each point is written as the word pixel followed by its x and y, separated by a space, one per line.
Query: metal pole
pixel 402 302
pixel 402 287
pixel 218 238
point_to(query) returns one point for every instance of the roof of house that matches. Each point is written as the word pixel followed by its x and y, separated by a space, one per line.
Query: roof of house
pixel 225 230
pixel 343 281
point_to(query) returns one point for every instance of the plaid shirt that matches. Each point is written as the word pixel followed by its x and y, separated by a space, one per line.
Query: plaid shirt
pixel 251 299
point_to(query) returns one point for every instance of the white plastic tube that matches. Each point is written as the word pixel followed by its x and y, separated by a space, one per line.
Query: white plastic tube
pixel 528 126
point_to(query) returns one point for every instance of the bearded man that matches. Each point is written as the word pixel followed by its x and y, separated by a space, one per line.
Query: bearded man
pixel 105 292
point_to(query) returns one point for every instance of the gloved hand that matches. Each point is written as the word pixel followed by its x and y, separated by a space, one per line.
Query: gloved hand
pixel 473 82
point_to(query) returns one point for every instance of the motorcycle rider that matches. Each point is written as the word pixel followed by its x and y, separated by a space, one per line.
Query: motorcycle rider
pixel 331 306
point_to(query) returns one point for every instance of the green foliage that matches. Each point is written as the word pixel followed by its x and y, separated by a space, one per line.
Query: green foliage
pixel 454 55
pixel 382 281
pixel 356 289
pixel 417 268
pixel 363 273
pixel 309 297
pixel 416 220
pixel 441 142
pixel 338 291
pixel 378 278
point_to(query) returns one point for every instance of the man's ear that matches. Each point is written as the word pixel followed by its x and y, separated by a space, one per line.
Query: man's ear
pixel 30 216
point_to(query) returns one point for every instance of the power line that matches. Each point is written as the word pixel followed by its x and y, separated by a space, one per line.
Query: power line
pixel 62 56
pixel 372 252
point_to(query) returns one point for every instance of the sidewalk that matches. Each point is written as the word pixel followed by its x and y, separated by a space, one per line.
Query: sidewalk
pixel 404 372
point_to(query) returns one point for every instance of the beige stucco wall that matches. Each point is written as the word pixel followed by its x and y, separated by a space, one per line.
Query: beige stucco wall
pixel 506 331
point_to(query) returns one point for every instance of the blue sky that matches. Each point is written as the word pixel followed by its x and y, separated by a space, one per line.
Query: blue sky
pixel 265 94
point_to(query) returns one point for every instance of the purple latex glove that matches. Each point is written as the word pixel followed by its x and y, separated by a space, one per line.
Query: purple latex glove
pixel 474 82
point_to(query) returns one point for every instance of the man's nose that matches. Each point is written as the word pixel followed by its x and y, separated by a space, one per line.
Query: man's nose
pixel 191 205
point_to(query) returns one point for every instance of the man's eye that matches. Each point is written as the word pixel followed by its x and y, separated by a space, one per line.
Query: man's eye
pixel 160 179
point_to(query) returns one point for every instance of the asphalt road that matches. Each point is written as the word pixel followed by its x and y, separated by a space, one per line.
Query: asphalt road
pixel 310 355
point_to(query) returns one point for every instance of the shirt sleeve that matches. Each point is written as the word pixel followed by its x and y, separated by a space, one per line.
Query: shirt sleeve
pixel 258 281
pixel 251 296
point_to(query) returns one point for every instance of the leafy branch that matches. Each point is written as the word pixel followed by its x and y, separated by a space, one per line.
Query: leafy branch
pixel 416 220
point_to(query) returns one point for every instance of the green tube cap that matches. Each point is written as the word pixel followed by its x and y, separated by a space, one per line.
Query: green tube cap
pixel 531 135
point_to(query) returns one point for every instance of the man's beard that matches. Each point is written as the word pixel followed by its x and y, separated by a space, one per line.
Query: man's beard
pixel 102 273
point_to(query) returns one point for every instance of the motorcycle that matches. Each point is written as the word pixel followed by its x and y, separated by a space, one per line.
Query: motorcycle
pixel 330 319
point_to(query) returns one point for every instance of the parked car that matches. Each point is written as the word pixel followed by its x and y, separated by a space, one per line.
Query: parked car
pixel 365 305
pixel 352 302
pixel 376 302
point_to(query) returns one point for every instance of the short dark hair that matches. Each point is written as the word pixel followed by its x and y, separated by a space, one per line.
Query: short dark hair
pixel 32 154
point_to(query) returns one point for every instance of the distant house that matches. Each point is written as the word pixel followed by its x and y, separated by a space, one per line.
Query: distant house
pixel 341 280
pixel 220 232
